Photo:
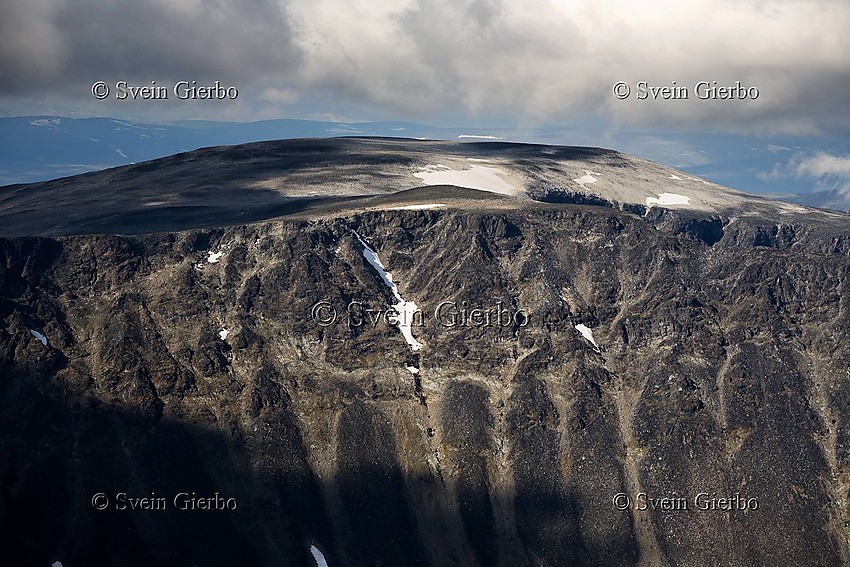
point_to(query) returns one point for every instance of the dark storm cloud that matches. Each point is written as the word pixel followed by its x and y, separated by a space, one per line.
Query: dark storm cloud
pixel 53 44
pixel 527 62
pixel 30 46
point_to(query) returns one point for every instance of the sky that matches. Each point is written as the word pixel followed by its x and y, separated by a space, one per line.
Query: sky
pixel 444 62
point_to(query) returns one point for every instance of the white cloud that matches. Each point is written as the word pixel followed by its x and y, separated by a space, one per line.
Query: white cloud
pixel 829 174
pixel 822 164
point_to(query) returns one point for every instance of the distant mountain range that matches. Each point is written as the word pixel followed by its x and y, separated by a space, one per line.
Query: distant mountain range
pixel 38 148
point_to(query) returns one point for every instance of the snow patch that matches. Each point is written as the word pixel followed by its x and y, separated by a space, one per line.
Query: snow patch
pixel 406 309
pixel 412 369
pixel 39 336
pixel 318 556
pixel 675 177
pixel 424 207
pixel 665 199
pixel 703 181
pixel 788 208
pixel 480 137
pixel 587 333
pixel 214 257
pixel 588 177
pixel 223 334
pixel 46 122
pixel 478 177
pixel 344 131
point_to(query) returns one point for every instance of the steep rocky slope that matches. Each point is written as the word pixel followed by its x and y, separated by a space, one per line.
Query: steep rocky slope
pixel 717 367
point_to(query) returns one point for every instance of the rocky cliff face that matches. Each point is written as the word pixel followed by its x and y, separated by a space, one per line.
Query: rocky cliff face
pixel 709 424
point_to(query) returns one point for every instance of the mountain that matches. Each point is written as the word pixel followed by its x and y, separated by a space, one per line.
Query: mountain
pixel 40 148
pixel 400 352
pixel 37 148
pixel 222 186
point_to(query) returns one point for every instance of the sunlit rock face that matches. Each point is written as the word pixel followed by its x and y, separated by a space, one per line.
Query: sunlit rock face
pixel 593 385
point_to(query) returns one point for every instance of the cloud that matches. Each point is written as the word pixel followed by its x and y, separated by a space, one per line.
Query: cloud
pixel 545 60
pixel 830 172
pixel 539 61
pixel 823 164
pixel 280 96
pixel 31 50
pixel 830 177
pixel 59 45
